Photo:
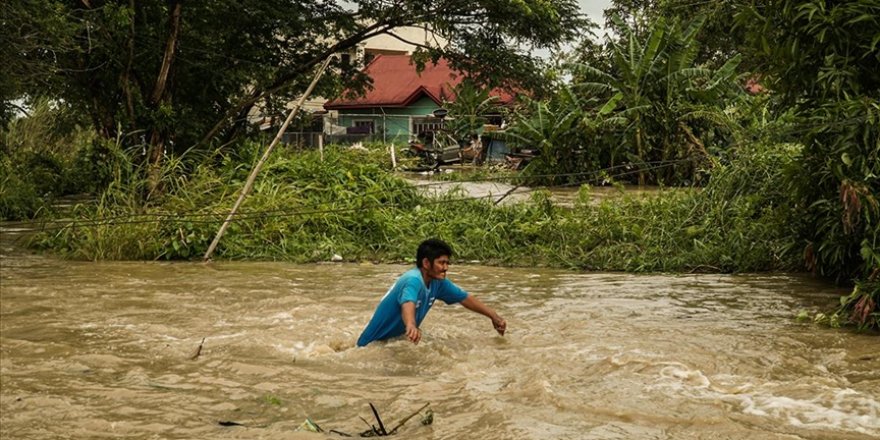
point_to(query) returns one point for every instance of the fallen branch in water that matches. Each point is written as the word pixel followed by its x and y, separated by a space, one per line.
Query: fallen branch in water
pixel 374 431
pixel 399 425
pixel 198 350
pixel 382 430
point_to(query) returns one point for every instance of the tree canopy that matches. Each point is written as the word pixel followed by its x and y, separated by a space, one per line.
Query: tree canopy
pixel 187 73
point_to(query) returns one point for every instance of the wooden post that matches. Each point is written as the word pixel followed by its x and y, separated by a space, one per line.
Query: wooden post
pixel 250 180
pixel 321 145
pixel 393 157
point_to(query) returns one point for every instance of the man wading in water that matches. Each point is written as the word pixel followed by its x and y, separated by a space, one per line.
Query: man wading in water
pixel 403 308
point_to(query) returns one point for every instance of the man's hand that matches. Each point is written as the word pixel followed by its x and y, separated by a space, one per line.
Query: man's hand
pixel 500 324
pixel 472 303
pixel 413 334
pixel 408 314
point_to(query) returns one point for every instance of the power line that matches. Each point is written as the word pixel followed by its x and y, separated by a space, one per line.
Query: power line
pixel 192 216
pixel 62 225
pixel 188 215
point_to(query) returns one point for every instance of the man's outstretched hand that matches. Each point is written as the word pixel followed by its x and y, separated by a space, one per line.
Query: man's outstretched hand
pixel 500 325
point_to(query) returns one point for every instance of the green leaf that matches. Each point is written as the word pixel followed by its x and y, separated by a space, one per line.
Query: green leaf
pixel 611 104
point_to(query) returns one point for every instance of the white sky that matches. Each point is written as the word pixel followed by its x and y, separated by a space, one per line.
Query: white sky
pixel 594 9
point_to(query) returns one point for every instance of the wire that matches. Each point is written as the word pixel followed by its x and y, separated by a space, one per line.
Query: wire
pixel 185 215
pixel 192 216
pixel 62 225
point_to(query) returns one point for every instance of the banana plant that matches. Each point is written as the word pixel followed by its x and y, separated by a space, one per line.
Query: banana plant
pixel 655 95
pixel 467 112
pixel 556 129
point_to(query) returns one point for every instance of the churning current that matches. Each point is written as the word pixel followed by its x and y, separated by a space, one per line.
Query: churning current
pixel 108 350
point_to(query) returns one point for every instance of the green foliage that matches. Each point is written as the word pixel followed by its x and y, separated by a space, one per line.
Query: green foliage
pixel 719 40
pixel 858 309
pixel 664 106
pixel 555 128
pixel 822 60
pixel 19 197
pixel 270 399
pixel 467 113
pixel 305 210
pixel 189 73
pixel 641 102
pixel 188 215
pixel 45 155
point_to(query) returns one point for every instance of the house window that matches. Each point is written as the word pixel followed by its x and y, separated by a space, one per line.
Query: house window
pixel 426 125
pixel 365 126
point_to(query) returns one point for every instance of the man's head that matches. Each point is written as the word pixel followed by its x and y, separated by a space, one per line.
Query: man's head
pixel 432 257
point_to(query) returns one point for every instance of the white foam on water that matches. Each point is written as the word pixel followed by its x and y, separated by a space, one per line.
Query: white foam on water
pixel 815 406
pixel 686 376
pixel 847 410
pixel 302 350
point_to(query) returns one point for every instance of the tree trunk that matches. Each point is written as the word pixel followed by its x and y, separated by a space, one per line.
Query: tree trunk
pixel 126 75
pixel 160 96
pixel 641 156
pixel 241 124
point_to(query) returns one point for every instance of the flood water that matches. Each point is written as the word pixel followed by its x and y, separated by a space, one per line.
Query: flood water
pixel 505 193
pixel 103 350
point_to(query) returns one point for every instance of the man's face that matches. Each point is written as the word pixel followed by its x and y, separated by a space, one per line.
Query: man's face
pixel 436 270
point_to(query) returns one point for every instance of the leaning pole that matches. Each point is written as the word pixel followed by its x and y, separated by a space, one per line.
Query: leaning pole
pixel 250 180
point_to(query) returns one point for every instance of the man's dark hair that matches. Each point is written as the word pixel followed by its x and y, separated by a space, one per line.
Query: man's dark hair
pixel 431 249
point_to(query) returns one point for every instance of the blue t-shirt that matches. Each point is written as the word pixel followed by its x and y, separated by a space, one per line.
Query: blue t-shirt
pixel 387 322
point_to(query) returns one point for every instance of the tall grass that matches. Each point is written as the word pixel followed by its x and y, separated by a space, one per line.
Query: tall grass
pixel 303 209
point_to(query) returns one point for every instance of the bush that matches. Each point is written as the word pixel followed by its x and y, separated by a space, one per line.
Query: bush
pixel 303 209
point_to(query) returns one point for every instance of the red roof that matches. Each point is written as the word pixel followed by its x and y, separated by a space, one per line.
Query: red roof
pixel 397 84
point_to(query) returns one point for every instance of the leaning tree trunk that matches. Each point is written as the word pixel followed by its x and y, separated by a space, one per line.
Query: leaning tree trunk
pixel 162 96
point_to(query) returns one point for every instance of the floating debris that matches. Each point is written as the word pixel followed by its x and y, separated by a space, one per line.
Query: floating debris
pixel 378 430
pixel 309 425
pixel 198 350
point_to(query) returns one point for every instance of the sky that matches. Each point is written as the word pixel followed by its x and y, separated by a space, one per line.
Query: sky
pixel 594 9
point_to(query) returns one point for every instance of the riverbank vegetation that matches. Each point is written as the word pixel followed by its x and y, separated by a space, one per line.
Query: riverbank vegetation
pixel 768 126
pixel 306 210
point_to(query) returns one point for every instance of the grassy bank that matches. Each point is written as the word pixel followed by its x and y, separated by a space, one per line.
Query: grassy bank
pixel 305 210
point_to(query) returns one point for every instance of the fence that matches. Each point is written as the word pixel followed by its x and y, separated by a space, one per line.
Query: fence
pixel 348 129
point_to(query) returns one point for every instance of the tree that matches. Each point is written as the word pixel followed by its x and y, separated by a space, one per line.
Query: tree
pixel 719 39
pixel 657 94
pixel 175 74
pixel 822 59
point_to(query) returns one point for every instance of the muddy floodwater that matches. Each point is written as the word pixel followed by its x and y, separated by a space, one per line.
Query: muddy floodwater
pixel 104 350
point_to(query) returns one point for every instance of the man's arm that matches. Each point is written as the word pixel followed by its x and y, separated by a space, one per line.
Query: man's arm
pixel 472 303
pixel 408 314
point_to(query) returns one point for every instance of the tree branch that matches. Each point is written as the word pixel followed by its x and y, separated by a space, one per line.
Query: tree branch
pixel 19 108
pixel 398 37
pixel 285 79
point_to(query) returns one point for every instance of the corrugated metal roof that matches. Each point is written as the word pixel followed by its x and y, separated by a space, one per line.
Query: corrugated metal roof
pixel 397 84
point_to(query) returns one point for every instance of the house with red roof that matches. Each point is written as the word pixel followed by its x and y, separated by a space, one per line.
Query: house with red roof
pixel 402 100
